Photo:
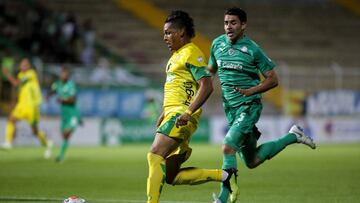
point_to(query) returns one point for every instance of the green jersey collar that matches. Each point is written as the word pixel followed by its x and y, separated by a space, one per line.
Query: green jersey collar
pixel 239 41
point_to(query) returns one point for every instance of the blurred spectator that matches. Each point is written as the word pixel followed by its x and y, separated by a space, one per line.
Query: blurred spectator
pixel 88 40
pixel 102 74
pixel 7 63
pixel 69 35
pixel 152 109
pixel 37 30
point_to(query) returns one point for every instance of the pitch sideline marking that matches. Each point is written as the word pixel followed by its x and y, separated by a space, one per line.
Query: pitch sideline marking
pixel 28 199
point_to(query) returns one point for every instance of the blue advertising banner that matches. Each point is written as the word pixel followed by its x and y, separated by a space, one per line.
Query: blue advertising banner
pixel 103 103
pixel 333 103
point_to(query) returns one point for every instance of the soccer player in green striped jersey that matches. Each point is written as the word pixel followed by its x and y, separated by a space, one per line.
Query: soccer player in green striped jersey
pixel 70 116
pixel 238 61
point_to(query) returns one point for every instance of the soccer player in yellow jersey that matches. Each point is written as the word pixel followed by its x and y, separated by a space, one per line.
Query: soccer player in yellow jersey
pixel 28 105
pixel 187 87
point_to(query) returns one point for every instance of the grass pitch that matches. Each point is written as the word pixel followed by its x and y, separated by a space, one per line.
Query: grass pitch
pixel 331 173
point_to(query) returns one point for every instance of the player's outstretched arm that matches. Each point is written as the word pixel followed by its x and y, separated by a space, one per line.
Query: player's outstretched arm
pixel 270 81
pixel 14 81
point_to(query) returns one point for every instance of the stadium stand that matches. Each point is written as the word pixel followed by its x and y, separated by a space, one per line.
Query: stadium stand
pixel 322 42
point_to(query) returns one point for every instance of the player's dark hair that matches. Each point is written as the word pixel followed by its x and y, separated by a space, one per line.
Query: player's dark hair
pixel 241 14
pixel 181 19
pixel 66 69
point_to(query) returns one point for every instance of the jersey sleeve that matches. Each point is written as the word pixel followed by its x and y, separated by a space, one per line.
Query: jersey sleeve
pixel 197 65
pixel 72 89
pixel 212 59
pixel 54 87
pixel 263 62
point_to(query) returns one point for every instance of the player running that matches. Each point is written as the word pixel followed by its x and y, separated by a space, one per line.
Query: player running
pixel 238 60
pixel 187 87
pixel 70 115
pixel 27 107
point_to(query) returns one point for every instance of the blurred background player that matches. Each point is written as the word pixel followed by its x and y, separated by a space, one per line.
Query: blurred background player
pixel 70 115
pixel 238 60
pixel 187 87
pixel 28 105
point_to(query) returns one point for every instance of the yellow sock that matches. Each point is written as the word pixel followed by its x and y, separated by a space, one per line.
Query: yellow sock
pixel 194 176
pixel 9 132
pixel 156 177
pixel 42 138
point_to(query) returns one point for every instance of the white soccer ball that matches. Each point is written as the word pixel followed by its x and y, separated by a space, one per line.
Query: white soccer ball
pixel 74 199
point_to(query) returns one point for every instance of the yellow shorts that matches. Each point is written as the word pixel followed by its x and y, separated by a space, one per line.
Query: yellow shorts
pixel 182 134
pixel 28 113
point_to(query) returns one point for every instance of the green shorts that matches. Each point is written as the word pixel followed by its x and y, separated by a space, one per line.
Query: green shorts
pixel 70 119
pixel 243 134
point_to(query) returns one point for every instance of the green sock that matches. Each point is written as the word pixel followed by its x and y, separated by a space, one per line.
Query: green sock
pixel 270 149
pixel 64 146
pixel 229 161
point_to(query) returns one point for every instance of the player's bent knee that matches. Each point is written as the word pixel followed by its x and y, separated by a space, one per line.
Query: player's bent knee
pixel 228 150
pixel 169 179
pixel 251 165
pixel 155 149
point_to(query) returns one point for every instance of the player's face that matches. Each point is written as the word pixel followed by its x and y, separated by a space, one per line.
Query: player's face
pixel 234 28
pixel 25 65
pixel 172 37
pixel 64 75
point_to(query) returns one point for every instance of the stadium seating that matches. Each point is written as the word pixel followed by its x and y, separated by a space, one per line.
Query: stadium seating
pixel 304 35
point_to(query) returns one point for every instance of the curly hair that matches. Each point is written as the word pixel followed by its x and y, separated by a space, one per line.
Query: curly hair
pixel 181 19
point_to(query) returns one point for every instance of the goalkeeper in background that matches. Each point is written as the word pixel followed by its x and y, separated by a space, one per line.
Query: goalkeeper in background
pixel 70 115
pixel 28 105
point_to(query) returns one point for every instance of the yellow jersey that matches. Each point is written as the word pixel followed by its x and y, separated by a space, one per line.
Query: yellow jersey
pixel 29 89
pixel 185 67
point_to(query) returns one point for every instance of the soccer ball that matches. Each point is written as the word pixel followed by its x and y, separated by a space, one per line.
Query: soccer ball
pixel 74 199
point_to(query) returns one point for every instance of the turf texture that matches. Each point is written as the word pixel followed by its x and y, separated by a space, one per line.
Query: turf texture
pixel 331 173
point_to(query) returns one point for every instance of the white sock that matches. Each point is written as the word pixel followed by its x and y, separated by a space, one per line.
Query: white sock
pixel 224 175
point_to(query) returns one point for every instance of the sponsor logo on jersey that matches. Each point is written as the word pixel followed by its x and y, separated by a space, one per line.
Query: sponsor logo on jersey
pixel 230 65
pixel 189 92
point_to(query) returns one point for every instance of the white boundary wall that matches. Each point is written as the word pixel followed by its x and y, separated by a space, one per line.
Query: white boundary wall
pixel 88 134
pixel 323 130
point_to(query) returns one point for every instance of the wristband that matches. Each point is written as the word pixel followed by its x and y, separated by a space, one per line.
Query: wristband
pixel 188 111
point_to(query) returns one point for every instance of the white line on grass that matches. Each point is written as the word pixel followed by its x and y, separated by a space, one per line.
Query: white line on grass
pixel 45 199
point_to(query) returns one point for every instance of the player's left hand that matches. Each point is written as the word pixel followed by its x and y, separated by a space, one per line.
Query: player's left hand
pixel 183 119
pixel 245 92
pixel 59 100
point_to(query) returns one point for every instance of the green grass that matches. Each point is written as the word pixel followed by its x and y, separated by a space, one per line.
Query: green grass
pixel 118 174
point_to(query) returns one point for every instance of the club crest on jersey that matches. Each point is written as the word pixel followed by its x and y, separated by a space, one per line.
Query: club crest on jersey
pixel 200 59
pixel 231 52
